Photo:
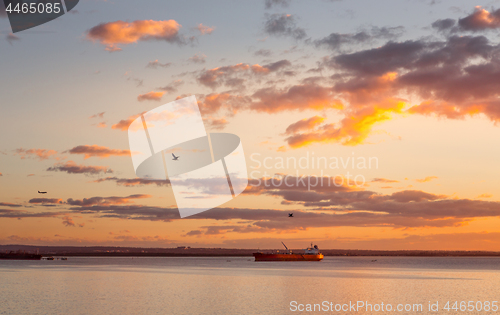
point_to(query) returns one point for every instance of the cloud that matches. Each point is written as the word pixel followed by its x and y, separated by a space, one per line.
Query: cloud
pixel 105 201
pixel 150 96
pixel 130 182
pixel 335 41
pixel 21 214
pixel 353 130
pixel 125 123
pixel 480 20
pixel 443 25
pixel 197 58
pixel 40 154
pixel 68 221
pixel 297 97
pixel 131 212
pixel 235 76
pixel 7 204
pixel 427 179
pixel 155 64
pixel 172 87
pixel 215 123
pixel 271 67
pixel 278 3
pixel 119 32
pixel 263 53
pixel 222 75
pixel 217 102
pixel 453 78
pixel 304 124
pixel 485 196
pixel 98 115
pixel 203 29
pixel 46 201
pixel 97 151
pixel 384 180
pixel 71 167
pixel 283 25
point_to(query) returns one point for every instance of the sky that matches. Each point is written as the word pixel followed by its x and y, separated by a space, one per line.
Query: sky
pixel 383 116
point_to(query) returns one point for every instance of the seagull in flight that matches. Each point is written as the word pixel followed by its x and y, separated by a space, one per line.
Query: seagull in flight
pixel 42 192
pixel 175 157
pixel 290 215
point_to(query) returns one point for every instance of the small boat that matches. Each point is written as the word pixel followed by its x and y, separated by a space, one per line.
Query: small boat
pixel 48 258
pixel 64 258
pixel 310 254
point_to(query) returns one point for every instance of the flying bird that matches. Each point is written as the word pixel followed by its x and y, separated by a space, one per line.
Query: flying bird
pixel 290 215
pixel 175 157
pixel 42 192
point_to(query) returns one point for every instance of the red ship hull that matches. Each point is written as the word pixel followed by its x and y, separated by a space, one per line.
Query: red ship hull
pixel 287 257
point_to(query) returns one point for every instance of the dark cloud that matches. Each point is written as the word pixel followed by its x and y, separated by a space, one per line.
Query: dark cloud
pixel 443 25
pixel 20 214
pixel 172 86
pixel 297 97
pixel 283 25
pixel 480 20
pixel 277 3
pixel 8 204
pixel 263 52
pixel 71 167
pixel 46 201
pixel 130 182
pixel 105 201
pixel 335 41
pixel 304 124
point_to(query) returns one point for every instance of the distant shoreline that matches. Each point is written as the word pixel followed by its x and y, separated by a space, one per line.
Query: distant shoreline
pixel 115 251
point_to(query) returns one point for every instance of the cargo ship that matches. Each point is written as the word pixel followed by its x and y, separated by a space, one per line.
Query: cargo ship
pixel 20 256
pixel 310 254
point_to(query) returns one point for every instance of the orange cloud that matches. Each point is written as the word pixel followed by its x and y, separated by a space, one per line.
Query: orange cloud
pixel 205 29
pixel 125 123
pixel 427 179
pixel 215 123
pixel 105 201
pixel 97 151
pixel 40 154
pixel 485 196
pixel 150 96
pixel 480 20
pixel 445 109
pixel 297 97
pixel 352 130
pixel 68 221
pixel 120 32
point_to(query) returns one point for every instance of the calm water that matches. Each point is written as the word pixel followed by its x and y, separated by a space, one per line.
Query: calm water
pixel 89 285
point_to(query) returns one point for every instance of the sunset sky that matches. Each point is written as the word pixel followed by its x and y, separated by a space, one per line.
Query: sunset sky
pixel 413 85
